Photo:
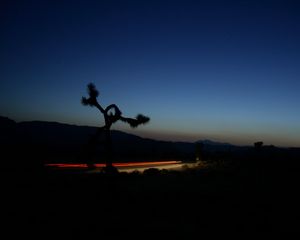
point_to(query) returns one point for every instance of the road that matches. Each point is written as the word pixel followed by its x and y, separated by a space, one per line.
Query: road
pixel 123 167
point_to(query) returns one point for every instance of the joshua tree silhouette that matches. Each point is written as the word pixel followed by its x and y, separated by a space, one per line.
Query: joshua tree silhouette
pixel 111 115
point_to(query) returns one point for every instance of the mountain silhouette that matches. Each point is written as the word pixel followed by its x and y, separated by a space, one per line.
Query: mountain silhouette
pixel 213 143
pixel 59 142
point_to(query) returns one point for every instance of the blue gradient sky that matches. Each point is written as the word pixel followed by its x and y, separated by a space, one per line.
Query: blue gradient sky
pixel 223 70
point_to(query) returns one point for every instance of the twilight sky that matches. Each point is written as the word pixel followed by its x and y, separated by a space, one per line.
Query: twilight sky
pixel 223 70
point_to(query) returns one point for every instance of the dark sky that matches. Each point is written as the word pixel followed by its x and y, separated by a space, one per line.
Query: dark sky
pixel 223 70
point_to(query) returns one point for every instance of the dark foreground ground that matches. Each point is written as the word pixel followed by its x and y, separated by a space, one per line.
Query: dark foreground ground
pixel 241 202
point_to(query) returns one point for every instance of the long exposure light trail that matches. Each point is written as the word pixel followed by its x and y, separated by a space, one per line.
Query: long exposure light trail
pixel 120 165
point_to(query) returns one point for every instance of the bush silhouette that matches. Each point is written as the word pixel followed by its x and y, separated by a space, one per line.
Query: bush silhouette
pixel 258 145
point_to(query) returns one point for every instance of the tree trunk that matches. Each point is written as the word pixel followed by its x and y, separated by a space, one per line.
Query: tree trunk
pixel 108 146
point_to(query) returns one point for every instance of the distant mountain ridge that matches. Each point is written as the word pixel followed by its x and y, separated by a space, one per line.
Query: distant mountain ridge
pixel 4 122
pixel 213 143
pixel 59 142
pixel 27 145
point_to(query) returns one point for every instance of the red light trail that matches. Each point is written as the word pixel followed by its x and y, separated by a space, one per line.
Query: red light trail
pixel 101 165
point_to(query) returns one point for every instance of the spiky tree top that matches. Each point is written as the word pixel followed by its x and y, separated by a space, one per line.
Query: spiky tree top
pixel 111 113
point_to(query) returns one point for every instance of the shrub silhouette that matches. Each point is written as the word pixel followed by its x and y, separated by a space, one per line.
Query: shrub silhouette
pixel 258 145
pixel 111 114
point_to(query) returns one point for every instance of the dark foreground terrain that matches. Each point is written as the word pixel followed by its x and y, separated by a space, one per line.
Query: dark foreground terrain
pixel 237 200
pixel 241 193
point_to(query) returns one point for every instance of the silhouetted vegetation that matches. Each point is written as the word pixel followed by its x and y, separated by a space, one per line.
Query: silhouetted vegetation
pixel 258 145
pixel 111 115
